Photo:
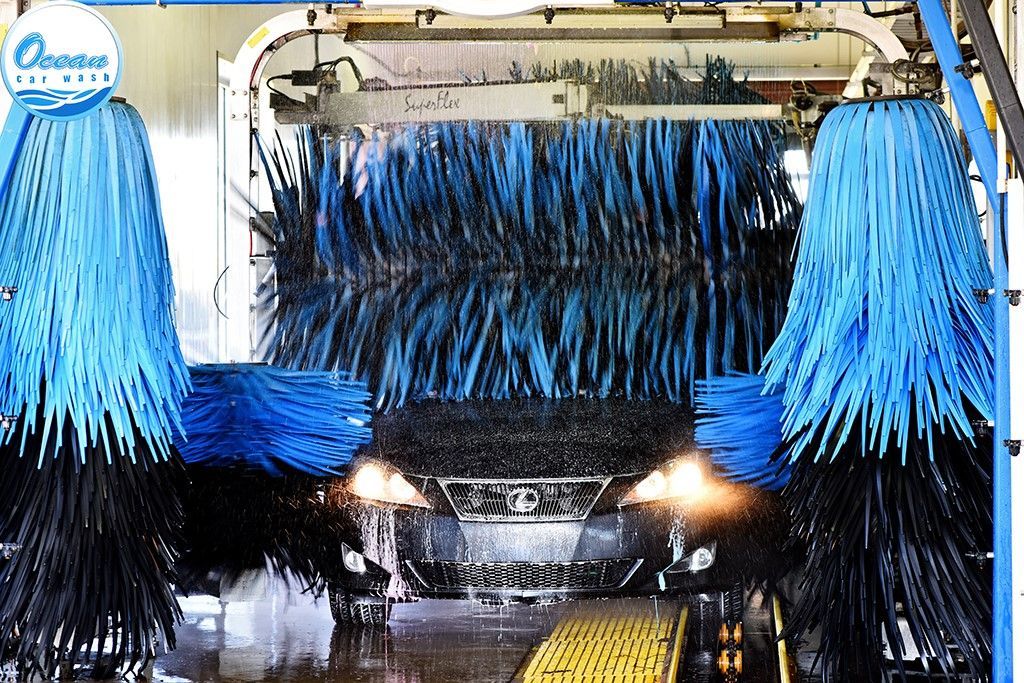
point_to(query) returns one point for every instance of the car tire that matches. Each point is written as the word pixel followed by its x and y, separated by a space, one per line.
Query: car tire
pixel 362 612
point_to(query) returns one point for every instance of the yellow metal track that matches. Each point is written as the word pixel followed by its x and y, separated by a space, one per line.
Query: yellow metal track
pixel 783 653
pixel 634 641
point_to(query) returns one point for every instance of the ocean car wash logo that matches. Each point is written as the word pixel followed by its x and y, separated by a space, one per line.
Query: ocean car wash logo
pixel 61 61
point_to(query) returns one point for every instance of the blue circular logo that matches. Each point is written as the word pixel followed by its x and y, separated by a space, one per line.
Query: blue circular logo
pixel 61 61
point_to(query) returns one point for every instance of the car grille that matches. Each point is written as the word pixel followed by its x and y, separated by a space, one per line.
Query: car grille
pixel 546 500
pixel 591 574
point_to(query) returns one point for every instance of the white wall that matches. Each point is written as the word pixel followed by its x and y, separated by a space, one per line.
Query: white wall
pixel 171 78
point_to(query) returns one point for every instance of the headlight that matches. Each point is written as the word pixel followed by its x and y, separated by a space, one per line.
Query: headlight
pixel 386 485
pixel 680 479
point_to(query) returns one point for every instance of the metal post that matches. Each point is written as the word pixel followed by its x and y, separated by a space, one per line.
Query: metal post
pixel 1015 246
pixel 996 71
pixel 947 51
pixel 949 56
pixel 11 137
pixel 1002 512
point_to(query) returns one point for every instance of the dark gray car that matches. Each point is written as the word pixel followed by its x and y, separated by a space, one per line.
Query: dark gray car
pixel 544 500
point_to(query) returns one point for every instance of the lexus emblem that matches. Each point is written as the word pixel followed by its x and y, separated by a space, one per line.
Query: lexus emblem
pixel 523 499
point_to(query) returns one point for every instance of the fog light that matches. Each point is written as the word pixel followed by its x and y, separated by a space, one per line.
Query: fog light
pixel 701 559
pixel 354 562
pixel 697 561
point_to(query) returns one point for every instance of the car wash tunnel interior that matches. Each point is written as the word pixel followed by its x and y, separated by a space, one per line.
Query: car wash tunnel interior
pixel 497 340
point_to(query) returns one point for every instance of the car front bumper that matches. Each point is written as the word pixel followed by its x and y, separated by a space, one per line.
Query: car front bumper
pixel 641 550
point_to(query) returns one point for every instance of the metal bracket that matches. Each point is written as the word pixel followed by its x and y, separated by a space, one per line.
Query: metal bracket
pixel 998 76
pixel 982 427
pixel 8 550
pixel 1012 445
pixel 968 69
pixel 1013 295
pixel 982 295
pixel 8 292
pixel 980 556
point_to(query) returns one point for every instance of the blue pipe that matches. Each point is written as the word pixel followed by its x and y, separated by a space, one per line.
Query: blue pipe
pixel 160 3
pixel 1002 514
pixel 948 53
pixel 11 137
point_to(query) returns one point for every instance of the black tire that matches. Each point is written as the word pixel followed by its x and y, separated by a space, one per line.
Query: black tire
pixel 350 611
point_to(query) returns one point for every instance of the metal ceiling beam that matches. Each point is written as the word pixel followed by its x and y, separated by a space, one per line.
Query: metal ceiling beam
pixel 363 32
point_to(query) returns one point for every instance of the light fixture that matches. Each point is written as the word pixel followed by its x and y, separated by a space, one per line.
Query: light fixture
pixel 679 479
pixel 353 561
pixel 383 484
pixel 697 561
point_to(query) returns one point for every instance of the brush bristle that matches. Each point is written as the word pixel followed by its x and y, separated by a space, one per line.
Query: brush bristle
pixel 885 541
pixel 80 229
pixel 884 330
pixel 503 260
pixel 741 425
pixel 884 359
pixel 90 367
pixel 98 536
pixel 294 524
pixel 252 416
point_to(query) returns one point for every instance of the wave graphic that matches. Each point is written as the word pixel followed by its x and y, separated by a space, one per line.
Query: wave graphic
pixel 62 103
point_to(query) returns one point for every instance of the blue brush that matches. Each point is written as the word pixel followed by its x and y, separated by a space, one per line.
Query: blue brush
pixel 885 357
pixel 272 419
pixel 493 261
pixel 742 428
pixel 884 330
pixel 89 333
pixel 90 367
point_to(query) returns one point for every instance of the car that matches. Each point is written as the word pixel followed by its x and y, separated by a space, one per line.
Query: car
pixel 544 500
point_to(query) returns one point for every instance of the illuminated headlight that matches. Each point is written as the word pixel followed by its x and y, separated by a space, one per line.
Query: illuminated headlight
pixel 376 482
pixel 681 479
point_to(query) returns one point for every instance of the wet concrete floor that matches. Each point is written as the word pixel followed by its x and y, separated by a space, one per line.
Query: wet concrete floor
pixel 289 637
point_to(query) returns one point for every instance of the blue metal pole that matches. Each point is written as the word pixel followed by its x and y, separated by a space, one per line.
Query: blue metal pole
pixel 153 3
pixel 1002 513
pixel 11 137
pixel 947 51
pixel 949 56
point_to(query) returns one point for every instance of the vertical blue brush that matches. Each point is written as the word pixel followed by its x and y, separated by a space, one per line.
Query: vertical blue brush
pixel 90 365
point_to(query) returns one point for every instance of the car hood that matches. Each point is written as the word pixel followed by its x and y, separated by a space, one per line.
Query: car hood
pixel 534 438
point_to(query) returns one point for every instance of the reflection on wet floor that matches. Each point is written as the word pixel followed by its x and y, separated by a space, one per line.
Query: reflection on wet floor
pixel 289 637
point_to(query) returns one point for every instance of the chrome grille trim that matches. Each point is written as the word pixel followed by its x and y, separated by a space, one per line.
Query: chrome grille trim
pixel 561 500
pixel 525 576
